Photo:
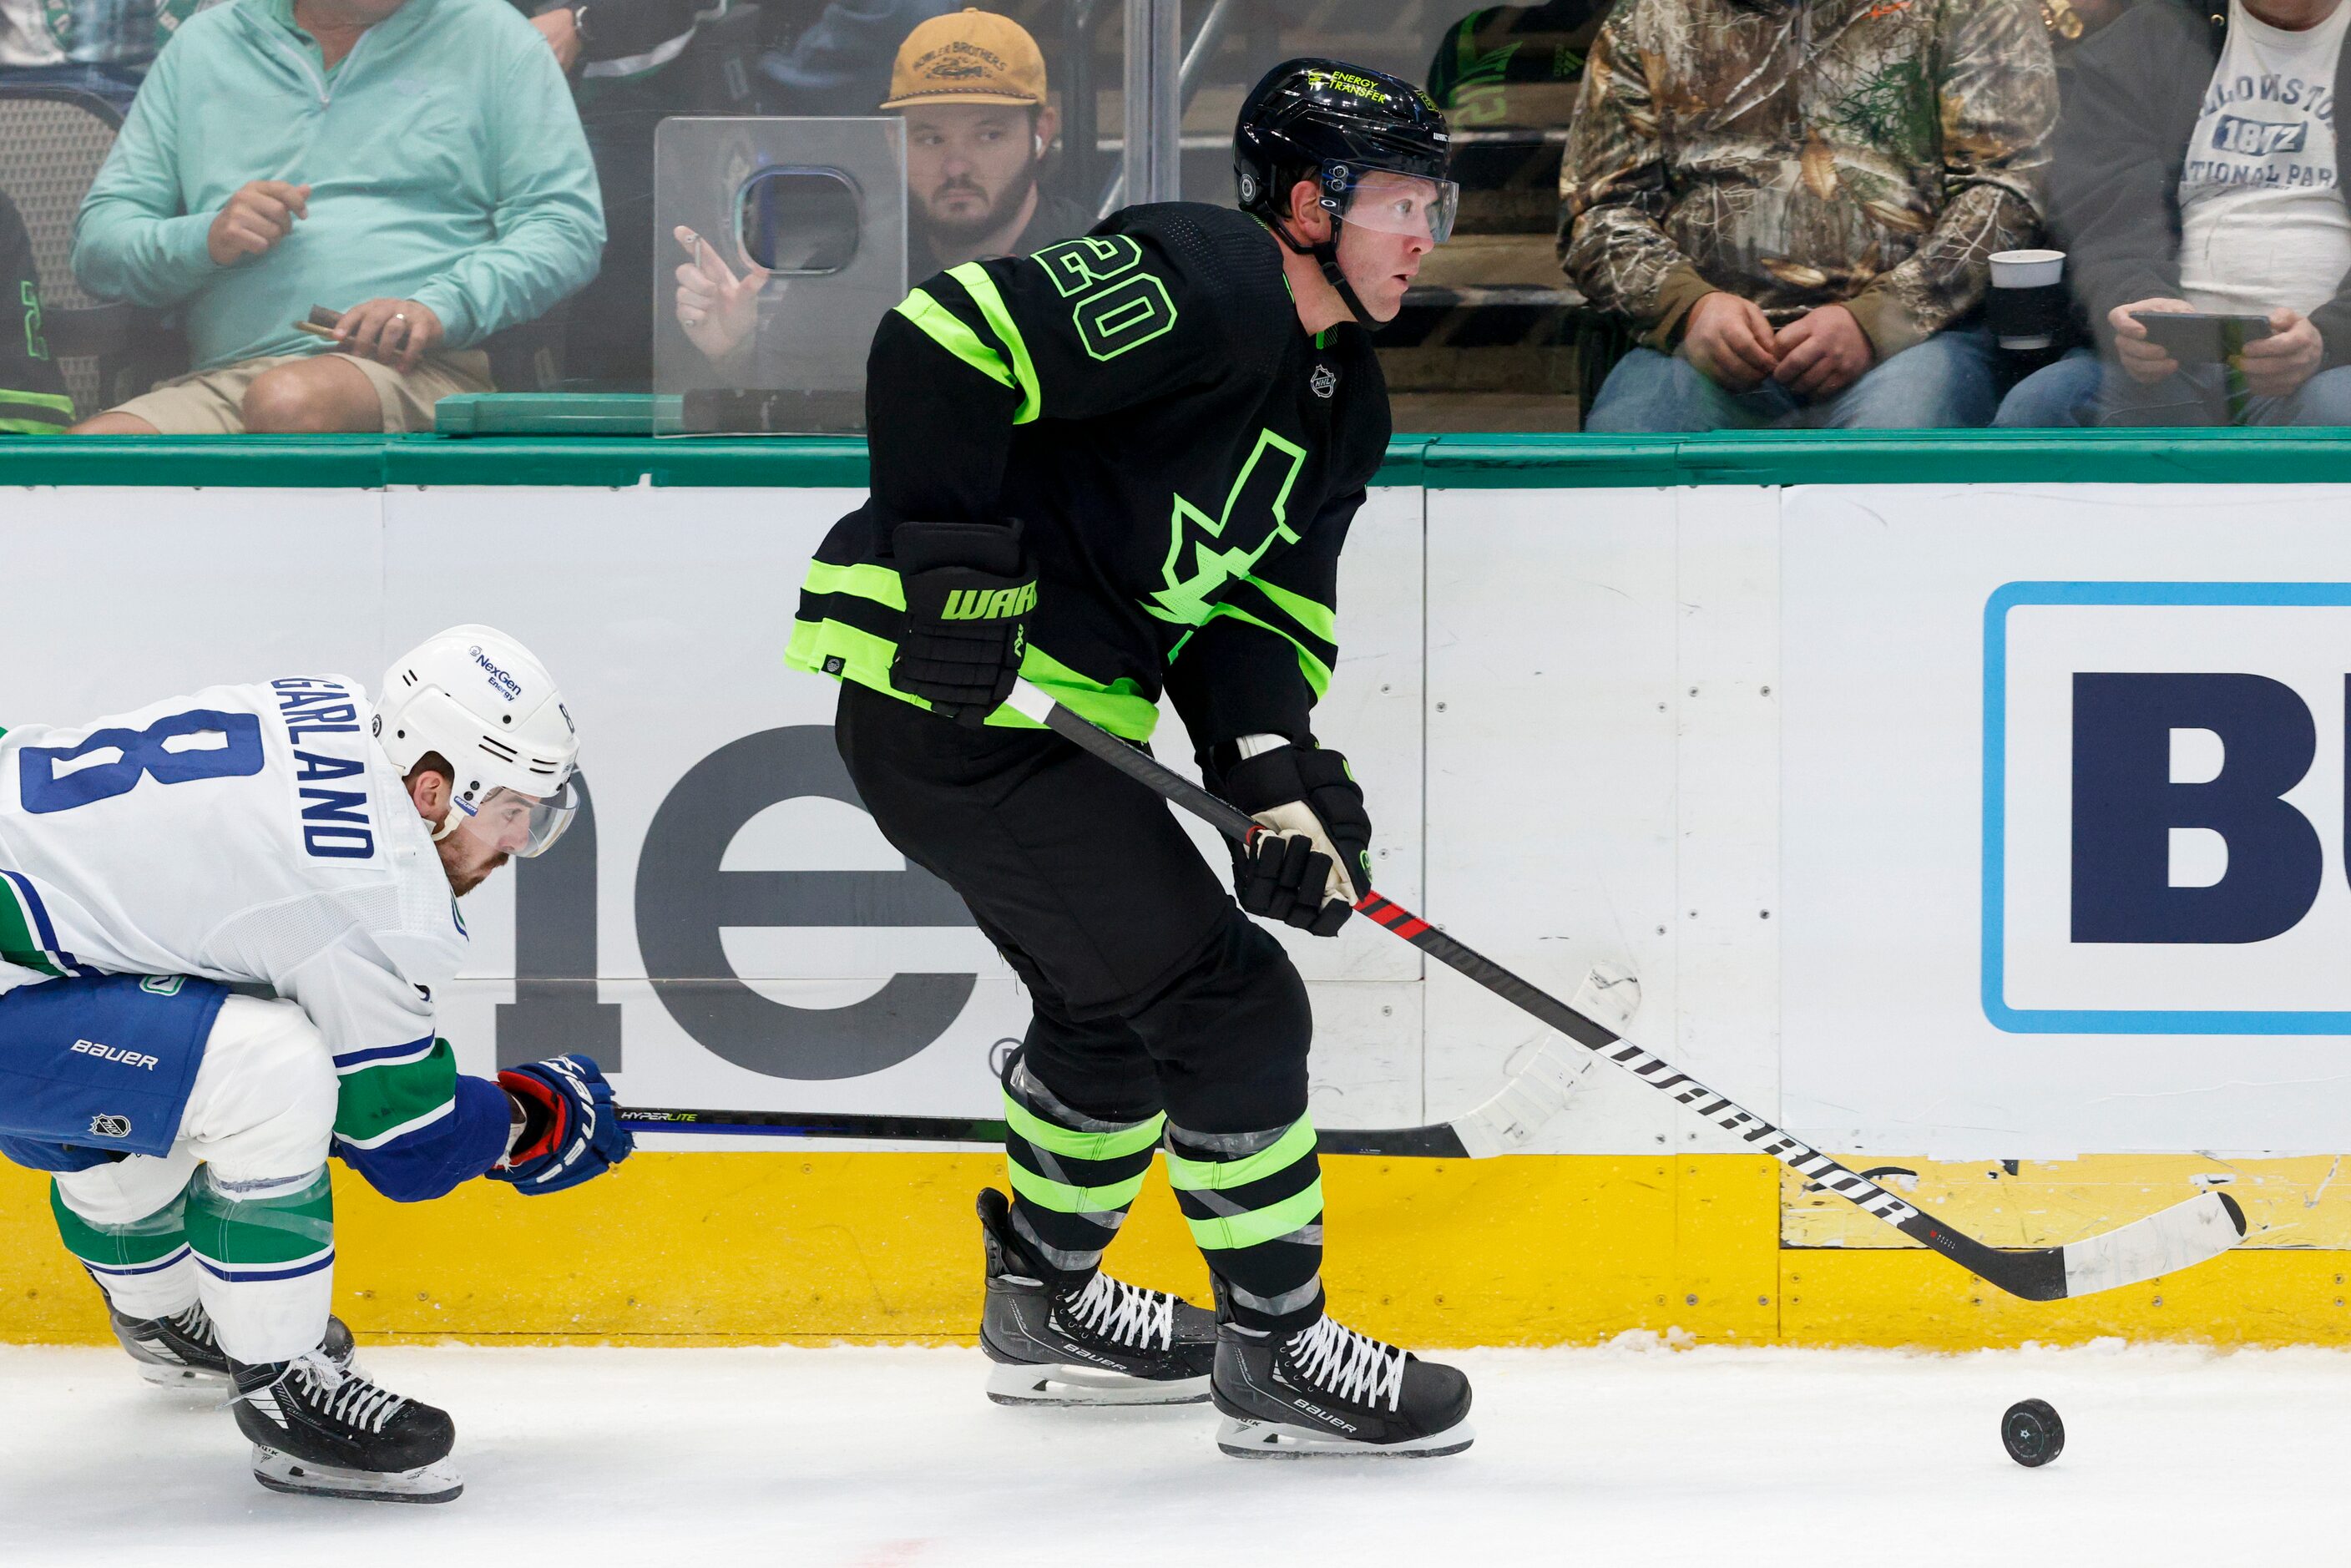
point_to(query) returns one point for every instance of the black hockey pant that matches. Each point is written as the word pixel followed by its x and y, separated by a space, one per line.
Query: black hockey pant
pixel 1164 1014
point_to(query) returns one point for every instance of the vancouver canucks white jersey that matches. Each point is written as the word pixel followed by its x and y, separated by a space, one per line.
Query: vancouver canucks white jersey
pixel 241 834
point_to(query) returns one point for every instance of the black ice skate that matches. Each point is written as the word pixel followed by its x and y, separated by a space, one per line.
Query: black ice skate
pixel 319 1429
pixel 1328 1390
pixel 1108 1344
pixel 182 1350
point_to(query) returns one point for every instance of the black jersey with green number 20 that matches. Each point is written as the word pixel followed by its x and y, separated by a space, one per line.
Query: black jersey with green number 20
pixel 1185 459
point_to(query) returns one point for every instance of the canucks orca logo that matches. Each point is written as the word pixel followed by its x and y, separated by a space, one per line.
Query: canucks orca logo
pixel 109 1126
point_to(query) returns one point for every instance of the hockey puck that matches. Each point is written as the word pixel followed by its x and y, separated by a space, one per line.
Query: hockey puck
pixel 2031 1433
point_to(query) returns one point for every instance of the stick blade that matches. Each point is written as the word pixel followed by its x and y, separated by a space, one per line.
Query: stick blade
pixel 2180 1237
pixel 1540 1092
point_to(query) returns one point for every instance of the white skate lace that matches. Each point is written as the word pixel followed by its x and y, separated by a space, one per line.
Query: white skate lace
pixel 344 1396
pixel 1349 1364
pixel 197 1324
pixel 1126 1314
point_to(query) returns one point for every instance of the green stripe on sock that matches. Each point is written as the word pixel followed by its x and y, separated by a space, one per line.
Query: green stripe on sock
pixel 1064 1198
pixel 982 289
pixel 1223 1175
pixel 942 326
pixel 1258 1225
pixel 1080 1145
pixel 224 1227
pixel 146 1240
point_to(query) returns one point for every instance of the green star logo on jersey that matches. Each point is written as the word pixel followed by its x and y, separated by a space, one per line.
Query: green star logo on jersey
pixel 1203 553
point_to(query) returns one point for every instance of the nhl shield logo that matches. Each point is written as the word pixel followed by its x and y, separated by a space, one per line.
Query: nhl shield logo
pixel 109 1126
pixel 1324 381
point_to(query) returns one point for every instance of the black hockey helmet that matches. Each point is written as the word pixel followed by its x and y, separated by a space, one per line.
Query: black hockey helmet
pixel 1325 121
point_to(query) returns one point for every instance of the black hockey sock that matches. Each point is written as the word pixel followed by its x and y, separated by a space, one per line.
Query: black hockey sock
pixel 1254 1201
pixel 1073 1176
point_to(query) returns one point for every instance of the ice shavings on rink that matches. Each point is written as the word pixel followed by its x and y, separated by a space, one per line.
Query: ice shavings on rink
pixel 1627 1455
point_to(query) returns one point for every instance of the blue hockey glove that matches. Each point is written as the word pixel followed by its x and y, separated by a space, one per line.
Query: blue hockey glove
pixel 569 1132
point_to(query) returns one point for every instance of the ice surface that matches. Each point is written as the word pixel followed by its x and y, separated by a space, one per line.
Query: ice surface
pixel 1612 1457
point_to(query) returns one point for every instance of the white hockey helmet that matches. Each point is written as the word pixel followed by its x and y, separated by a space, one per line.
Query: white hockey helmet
pixel 490 709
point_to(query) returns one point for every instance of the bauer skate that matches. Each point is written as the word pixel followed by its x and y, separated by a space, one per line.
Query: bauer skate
pixel 182 1352
pixel 323 1432
pixel 1107 1343
pixel 1328 1390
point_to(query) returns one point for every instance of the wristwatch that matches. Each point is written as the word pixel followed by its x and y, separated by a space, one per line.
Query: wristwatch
pixel 579 25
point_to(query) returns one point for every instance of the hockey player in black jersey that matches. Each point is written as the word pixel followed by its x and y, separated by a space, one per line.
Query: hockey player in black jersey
pixel 1122 465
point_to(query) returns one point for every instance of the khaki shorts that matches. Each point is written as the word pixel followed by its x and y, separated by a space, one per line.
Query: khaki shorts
pixel 212 402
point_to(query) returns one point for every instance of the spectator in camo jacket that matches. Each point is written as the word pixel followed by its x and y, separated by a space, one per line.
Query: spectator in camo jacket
pixel 1796 201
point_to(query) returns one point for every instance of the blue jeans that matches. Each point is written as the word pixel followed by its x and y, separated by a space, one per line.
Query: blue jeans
pixel 2081 390
pixel 1951 379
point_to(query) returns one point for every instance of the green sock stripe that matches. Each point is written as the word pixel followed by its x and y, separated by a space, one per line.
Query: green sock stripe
pixel 147 1240
pixel 947 330
pixel 1222 1175
pixel 1064 1198
pixel 984 294
pixel 1270 1223
pixel 1069 1145
pixel 282 1228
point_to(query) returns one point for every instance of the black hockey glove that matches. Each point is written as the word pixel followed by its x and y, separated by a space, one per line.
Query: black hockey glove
pixel 1309 870
pixel 968 595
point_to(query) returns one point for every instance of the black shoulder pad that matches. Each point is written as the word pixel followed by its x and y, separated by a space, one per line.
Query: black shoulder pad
pixel 1225 263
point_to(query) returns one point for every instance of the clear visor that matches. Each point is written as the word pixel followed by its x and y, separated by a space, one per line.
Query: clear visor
pixel 513 824
pixel 1398 204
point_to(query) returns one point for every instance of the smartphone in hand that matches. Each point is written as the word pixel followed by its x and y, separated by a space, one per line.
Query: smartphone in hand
pixel 2201 337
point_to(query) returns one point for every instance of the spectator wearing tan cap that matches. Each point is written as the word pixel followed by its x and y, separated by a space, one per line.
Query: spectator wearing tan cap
pixel 971 87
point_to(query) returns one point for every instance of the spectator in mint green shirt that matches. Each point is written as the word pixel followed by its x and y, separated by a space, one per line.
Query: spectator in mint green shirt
pixel 415 166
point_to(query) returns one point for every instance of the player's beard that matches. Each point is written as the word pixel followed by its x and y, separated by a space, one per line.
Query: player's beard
pixel 465 875
pixel 952 231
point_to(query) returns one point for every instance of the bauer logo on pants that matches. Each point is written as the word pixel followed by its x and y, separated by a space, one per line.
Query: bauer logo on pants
pixel 2165 818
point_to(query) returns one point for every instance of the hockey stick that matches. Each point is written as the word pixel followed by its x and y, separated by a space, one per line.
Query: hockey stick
pixel 1536 1094
pixel 2184 1234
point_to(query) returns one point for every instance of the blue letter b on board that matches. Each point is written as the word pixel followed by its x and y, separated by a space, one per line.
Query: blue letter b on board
pixel 2125 805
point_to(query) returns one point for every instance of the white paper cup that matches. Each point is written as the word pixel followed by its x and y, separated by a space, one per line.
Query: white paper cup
pixel 2027 269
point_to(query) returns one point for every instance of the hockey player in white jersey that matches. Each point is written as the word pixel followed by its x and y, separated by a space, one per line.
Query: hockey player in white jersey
pixel 296 835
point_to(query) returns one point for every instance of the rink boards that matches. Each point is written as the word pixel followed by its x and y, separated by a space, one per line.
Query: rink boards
pixel 1981 815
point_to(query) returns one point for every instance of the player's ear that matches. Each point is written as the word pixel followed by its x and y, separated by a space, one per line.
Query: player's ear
pixel 1045 126
pixel 1308 221
pixel 428 789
